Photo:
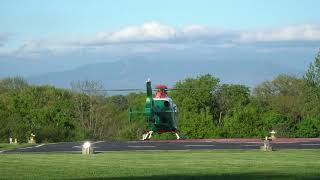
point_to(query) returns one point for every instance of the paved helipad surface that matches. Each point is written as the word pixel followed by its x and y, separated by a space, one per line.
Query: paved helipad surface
pixel 190 144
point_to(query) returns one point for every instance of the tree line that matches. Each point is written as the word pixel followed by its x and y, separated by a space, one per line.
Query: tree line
pixel 207 108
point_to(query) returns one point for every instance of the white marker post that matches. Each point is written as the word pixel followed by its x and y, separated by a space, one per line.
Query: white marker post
pixel 31 139
pixel 266 145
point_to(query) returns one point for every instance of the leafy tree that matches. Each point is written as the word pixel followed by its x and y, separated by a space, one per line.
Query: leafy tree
pixel 12 84
pixel 276 121
pixel 282 85
pixel 195 94
pixel 244 122
pixel 135 128
pixel 119 101
pixel 197 125
pixel 194 100
pixel 284 95
pixel 227 97
pixel 312 87
pixel 32 109
pixel 312 75
pixel 89 98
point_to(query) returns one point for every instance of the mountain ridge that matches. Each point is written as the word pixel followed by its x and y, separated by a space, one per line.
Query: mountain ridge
pixel 132 73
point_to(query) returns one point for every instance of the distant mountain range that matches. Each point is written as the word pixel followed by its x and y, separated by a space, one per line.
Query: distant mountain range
pixel 133 73
pixel 244 66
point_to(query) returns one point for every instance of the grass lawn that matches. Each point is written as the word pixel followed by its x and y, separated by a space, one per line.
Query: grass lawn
pixel 213 164
pixel 7 146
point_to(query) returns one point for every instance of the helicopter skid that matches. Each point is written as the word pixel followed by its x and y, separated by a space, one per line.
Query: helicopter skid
pixel 148 135
pixel 177 135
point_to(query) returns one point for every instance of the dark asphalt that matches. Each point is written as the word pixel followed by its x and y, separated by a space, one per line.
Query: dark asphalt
pixel 196 144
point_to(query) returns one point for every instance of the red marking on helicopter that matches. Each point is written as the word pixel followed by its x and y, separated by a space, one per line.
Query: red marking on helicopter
pixel 161 86
pixel 161 91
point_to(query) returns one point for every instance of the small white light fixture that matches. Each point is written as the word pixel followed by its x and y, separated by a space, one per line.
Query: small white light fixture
pixel 87 148
pixel 86 144
pixel 273 134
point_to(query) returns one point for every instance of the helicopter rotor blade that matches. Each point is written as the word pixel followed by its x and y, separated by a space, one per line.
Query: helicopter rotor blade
pixel 181 89
pixel 106 90
pixel 137 90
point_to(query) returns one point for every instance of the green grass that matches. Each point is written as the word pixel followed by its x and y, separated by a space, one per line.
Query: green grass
pixel 215 164
pixel 7 146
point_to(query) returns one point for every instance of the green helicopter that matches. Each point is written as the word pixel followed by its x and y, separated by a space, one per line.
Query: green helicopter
pixel 160 112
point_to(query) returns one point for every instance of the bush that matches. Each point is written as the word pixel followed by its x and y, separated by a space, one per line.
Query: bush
pixel 309 127
pixel 52 133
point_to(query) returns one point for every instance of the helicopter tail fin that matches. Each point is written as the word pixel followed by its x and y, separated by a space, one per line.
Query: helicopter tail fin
pixel 149 89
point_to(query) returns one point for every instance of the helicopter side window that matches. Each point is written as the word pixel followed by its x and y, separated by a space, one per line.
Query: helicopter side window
pixel 166 104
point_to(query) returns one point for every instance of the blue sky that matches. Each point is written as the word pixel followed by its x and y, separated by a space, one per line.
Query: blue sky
pixel 53 32
pixel 38 18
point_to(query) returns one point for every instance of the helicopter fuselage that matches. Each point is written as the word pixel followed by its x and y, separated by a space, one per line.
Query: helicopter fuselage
pixel 160 112
pixel 164 117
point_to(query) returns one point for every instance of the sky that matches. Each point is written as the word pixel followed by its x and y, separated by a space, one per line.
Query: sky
pixel 34 19
pixel 101 29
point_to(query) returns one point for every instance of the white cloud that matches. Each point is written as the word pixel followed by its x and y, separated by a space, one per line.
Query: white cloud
pixel 196 29
pixel 154 36
pixel 34 48
pixel 201 30
pixel 159 33
pixel 305 32
pixel 154 32
pixel 151 31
